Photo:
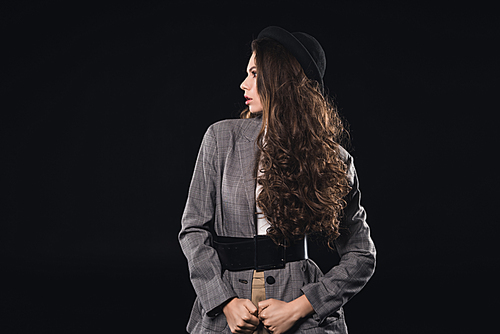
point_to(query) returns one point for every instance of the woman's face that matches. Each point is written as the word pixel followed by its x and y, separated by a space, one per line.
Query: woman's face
pixel 249 86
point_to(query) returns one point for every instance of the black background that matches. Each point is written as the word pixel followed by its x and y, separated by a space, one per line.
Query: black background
pixel 103 111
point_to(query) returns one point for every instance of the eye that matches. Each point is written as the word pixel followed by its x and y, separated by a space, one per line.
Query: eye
pixel 254 74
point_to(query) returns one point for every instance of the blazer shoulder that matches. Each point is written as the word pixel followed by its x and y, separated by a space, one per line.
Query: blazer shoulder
pixel 236 123
pixel 228 124
pixel 235 128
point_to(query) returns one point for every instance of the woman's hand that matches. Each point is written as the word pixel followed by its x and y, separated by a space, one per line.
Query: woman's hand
pixel 278 316
pixel 241 316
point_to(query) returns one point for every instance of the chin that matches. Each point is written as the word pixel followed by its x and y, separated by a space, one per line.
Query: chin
pixel 255 111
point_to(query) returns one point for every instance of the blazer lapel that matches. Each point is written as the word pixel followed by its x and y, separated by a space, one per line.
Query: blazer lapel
pixel 247 154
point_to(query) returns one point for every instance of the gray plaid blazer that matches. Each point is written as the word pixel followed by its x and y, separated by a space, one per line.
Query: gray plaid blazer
pixel 222 197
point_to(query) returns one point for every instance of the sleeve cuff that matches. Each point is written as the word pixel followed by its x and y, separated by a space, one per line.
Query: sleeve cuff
pixel 218 310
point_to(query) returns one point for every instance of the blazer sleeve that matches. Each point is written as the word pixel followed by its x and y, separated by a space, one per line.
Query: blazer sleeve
pixel 357 258
pixel 195 237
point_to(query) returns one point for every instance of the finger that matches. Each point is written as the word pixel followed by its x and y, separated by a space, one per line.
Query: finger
pixel 263 305
pixel 247 331
pixel 269 329
pixel 246 325
pixel 251 320
pixel 251 307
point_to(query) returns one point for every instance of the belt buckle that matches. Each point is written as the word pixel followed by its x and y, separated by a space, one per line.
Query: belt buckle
pixel 268 255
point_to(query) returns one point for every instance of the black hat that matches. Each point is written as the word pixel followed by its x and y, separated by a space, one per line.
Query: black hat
pixel 305 48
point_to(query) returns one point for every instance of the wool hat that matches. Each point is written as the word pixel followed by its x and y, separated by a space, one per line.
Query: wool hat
pixel 305 48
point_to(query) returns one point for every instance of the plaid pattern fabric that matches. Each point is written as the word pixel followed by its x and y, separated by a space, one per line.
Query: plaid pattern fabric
pixel 222 198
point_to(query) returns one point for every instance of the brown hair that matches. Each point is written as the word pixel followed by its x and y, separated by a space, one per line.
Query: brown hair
pixel 303 178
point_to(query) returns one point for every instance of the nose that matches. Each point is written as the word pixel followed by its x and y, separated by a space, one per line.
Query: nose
pixel 243 85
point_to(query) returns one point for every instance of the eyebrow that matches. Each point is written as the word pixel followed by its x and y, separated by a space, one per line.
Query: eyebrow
pixel 251 68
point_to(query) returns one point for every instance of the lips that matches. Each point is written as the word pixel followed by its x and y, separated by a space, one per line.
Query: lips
pixel 248 99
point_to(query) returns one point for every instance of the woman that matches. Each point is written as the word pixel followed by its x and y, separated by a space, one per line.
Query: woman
pixel 261 185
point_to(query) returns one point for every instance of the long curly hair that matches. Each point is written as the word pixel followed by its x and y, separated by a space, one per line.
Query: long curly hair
pixel 304 180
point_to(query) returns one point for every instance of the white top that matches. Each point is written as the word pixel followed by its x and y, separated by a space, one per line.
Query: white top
pixel 262 222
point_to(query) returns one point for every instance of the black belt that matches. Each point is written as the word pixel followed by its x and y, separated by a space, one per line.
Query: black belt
pixel 259 253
